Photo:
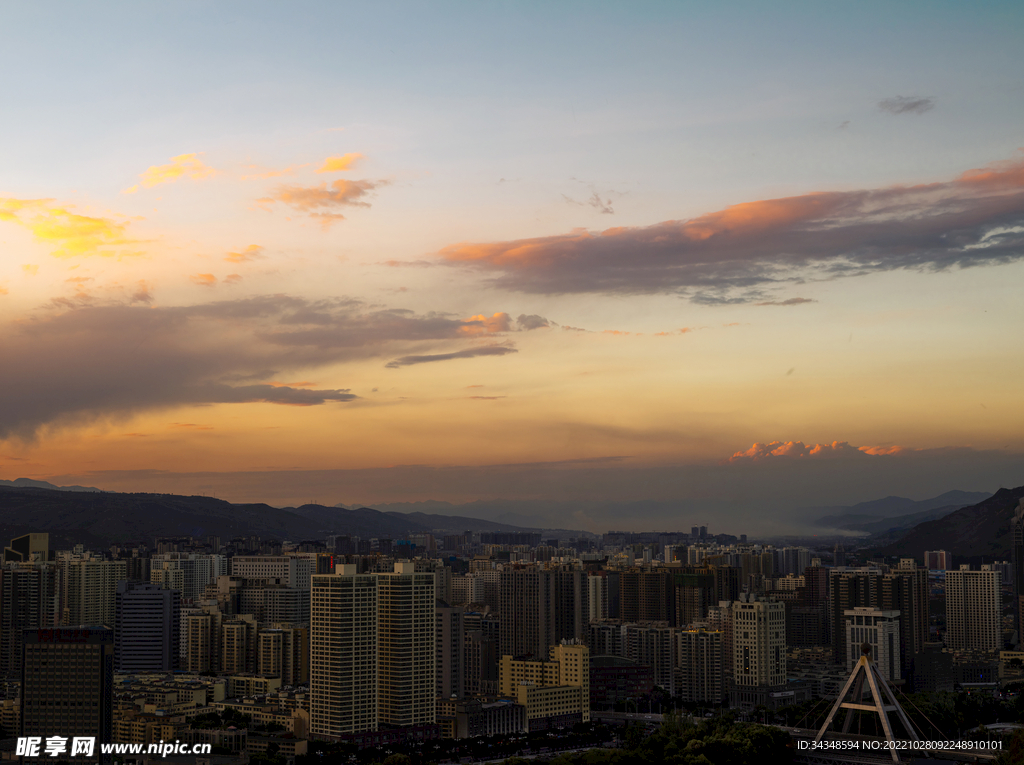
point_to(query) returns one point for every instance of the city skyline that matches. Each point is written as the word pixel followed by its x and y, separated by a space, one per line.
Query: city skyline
pixel 736 259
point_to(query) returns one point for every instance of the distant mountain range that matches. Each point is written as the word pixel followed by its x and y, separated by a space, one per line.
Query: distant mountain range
pixel 972 534
pixel 97 518
pixel 33 484
pixel 897 512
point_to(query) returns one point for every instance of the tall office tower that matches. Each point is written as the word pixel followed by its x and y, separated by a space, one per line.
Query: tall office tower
pixel 528 600
pixel 189 573
pixel 652 645
pixel 34 547
pixel 343 653
pixel 695 593
pixel 283 651
pixel 572 604
pixel 597 591
pixel 293 571
pixel 973 609
pixel 699 665
pixel 849 588
pixel 406 647
pixel 938 560
pixel 759 647
pixel 88 590
pixel 67 683
pixel 451 651
pixel 1017 549
pixel 29 599
pixel 147 624
pixel 879 629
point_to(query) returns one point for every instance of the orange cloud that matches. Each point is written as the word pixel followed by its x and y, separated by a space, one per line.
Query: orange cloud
pixel 481 325
pixel 303 384
pixel 794 449
pixel 730 255
pixel 340 164
pixel 252 252
pixel 232 278
pixel 800 450
pixel 883 450
pixel 204 280
pixel 191 426
pixel 71 234
pixel 182 166
pixel 321 201
pixel 30 269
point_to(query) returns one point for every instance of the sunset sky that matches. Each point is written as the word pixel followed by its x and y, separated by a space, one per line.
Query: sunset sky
pixel 386 252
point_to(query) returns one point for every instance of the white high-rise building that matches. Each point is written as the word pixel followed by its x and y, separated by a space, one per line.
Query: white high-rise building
pixel 973 608
pixel 406 647
pixel 759 648
pixel 373 643
pixel 879 629
pixel 343 653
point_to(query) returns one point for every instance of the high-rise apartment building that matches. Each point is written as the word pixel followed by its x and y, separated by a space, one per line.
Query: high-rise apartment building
pixel 147 625
pixel 451 651
pixel 406 650
pixel 372 650
pixel 188 573
pixel 67 683
pixel 973 608
pixel 699 665
pixel 938 560
pixel 283 651
pixel 759 649
pixel 29 599
pixel 879 629
pixel 343 653
pixel 88 589
pixel 528 599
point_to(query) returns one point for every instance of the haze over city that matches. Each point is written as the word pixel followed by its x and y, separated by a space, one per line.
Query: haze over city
pixel 721 260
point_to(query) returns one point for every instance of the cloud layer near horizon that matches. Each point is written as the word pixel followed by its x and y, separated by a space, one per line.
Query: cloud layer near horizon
pixel 734 255
pixel 91 362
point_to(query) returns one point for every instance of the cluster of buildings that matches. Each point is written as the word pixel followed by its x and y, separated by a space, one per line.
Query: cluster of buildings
pixel 256 644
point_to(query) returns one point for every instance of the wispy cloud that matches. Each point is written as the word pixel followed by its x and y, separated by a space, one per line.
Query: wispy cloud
pixel 340 164
pixel 469 353
pixel 790 301
pixel 204 280
pixel 252 252
pixel 734 255
pixel 906 105
pixel 324 201
pixel 182 166
pixel 70 233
